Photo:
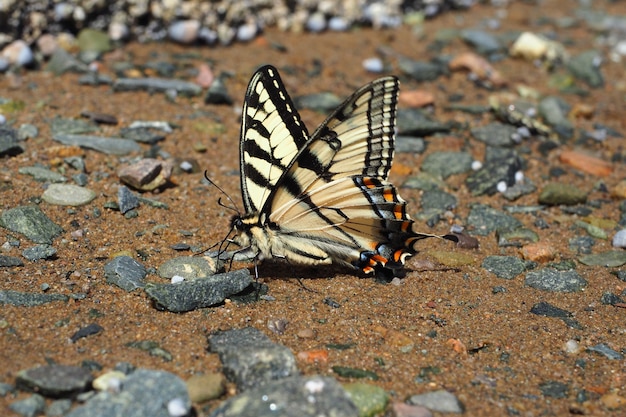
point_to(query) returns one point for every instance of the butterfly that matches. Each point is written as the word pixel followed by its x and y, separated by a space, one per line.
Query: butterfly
pixel 322 198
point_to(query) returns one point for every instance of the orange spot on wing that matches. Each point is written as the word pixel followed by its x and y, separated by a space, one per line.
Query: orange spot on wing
pixel 397 255
pixel 368 182
pixel 388 195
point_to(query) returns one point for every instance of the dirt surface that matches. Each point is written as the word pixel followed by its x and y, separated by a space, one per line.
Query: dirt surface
pixel 509 351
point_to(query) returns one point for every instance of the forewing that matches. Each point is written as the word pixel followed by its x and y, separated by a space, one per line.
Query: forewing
pixel 272 133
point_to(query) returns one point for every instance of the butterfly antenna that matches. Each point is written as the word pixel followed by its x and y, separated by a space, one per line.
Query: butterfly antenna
pixel 221 190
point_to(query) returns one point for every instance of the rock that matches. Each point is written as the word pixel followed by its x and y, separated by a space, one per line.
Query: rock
pixel 189 267
pixel 586 163
pixel 420 70
pixel 126 273
pixel 17 298
pixel 549 279
pixel 107 145
pixel 9 141
pixel 31 222
pixel 68 195
pixel 126 200
pixel 29 407
pixel 539 252
pixel 199 293
pixel 506 267
pixel 319 102
pixel 608 259
pixel 218 94
pixel 147 174
pixel 483 219
pixel 56 381
pixel 558 193
pixel 206 387
pixel 294 396
pixel 371 400
pixel 42 174
pixel 39 252
pixel 554 389
pixel 446 163
pixel 91 40
pixel 485 43
pixel 143 393
pixel 606 351
pixel 251 359
pixel 86 331
pixel 160 85
pixel 586 67
pixel 440 401
pixel 184 31
pixel 531 46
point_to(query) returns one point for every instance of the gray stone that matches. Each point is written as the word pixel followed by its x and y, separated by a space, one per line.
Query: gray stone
pixel 549 279
pixel 31 222
pixel 609 259
pixel 409 144
pixel 483 219
pixel 218 94
pixel 420 70
pixel 606 351
pixel 56 381
pixel 505 267
pixel 126 199
pixel 68 195
pixel 107 145
pixel 445 164
pixel 126 273
pixel 10 261
pixel 320 102
pixel 143 393
pixel 42 174
pixel 38 252
pixel 440 401
pixel 199 293
pixel 586 67
pixel 29 407
pixel 555 113
pixel 250 358
pixel 9 141
pixel 484 42
pixel 295 396
pixel 160 85
pixel 414 122
pixel 500 165
pixel 495 134
pixel 25 299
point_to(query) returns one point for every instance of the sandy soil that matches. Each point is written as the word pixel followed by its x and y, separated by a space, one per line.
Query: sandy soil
pixel 510 352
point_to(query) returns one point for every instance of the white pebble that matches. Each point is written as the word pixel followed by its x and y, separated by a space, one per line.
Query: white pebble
pixel 18 53
pixel 177 407
pixel 619 240
pixel 3 119
pixel 456 228
pixel 501 186
pixel 184 31
pixel 338 24
pixel 571 346
pixel 111 381
pixel 316 22
pixel 118 31
pixel 177 279
pixel 246 32
pixel 476 165
pixel 519 176
pixel 186 166
pixel 373 65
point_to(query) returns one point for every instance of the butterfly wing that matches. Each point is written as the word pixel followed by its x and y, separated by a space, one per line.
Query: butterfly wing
pixel 272 133
pixel 334 203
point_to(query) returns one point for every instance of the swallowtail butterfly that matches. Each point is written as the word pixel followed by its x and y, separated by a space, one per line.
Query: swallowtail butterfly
pixel 322 198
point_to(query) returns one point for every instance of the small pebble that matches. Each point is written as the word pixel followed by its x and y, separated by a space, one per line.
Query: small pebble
pixel 316 22
pixel 184 31
pixel 539 252
pixel 18 53
pixel 619 239
pixel 374 65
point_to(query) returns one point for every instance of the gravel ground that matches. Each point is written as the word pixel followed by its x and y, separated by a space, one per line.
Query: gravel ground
pixel 523 153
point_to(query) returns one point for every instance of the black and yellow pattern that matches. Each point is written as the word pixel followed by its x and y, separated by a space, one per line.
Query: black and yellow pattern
pixel 323 198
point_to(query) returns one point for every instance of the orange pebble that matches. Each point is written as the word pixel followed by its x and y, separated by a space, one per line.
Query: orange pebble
pixel 314 356
pixel 538 252
pixel 586 163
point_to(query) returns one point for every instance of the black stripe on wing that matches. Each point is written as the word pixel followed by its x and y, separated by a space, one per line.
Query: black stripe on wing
pixel 272 134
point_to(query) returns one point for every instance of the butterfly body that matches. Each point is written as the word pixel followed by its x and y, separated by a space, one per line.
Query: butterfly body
pixel 323 198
